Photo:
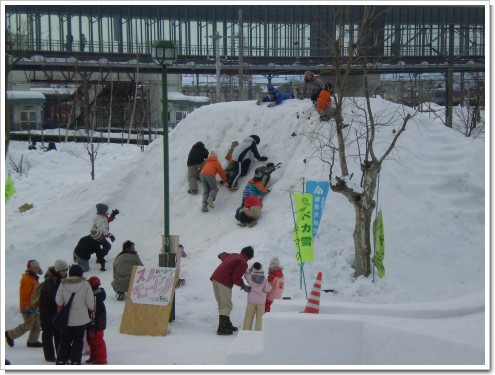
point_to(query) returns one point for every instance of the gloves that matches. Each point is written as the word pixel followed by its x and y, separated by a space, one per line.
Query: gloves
pixel 263 158
pixel 272 105
pixel 114 213
pixel 112 237
pixel 246 288
pixel 258 102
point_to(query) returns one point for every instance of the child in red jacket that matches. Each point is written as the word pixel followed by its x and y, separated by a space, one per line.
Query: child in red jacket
pixel 94 330
pixel 276 279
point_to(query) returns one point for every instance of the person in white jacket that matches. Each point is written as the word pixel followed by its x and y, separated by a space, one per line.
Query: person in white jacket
pixel 71 341
pixel 100 229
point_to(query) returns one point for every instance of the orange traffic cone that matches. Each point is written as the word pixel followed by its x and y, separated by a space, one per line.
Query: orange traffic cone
pixel 313 305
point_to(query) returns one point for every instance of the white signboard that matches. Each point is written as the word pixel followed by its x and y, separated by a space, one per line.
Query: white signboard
pixel 153 285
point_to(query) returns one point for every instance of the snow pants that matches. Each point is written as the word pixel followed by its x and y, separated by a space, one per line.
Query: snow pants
pixel 193 175
pixel 210 188
pixel 98 348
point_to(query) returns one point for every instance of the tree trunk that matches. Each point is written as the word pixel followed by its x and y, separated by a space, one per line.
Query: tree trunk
pixel 364 204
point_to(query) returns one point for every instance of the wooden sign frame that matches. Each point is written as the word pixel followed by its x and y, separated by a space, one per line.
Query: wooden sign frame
pixel 144 319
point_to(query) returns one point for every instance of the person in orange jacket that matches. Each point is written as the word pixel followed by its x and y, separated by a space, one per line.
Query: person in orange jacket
pixel 211 168
pixel 323 104
pixel 30 314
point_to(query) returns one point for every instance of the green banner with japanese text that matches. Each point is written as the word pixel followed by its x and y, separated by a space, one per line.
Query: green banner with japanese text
pixel 303 232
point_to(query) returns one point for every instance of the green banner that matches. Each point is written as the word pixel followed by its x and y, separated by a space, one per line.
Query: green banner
pixel 9 189
pixel 379 240
pixel 303 232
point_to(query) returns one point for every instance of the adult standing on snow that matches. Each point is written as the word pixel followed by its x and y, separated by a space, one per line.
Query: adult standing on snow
pixel 208 174
pixel 122 269
pixel 83 304
pixel 30 314
pixel 100 230
pixel 242 155
pixel 225 276
pixel 195 162
pixel 310 84
pixel 48 308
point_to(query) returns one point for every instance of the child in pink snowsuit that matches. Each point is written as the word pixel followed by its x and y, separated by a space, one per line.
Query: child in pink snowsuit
pixel 276 280
pixel 255 277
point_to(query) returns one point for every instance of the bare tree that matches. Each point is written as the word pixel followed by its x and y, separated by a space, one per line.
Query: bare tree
pixel 340 142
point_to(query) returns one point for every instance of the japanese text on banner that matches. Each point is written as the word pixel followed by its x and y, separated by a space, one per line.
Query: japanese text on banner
pixel 319 189
pixel 303 233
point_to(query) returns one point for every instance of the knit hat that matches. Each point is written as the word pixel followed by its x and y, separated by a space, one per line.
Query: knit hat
pixel 60 265
pixel 95 233
pixel 248 251
pixel 271 90
pixel 101 208
pixel 213 153
pixel 275 263
pixel 257 268
pixel 308 73
pixel 75 270
pixel 33 264
pixel 94 282
pixel 255 138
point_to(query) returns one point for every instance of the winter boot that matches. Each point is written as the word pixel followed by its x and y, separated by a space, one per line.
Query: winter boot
pixel 204 208
pixel 210 202
pixel 241 224
pixel 10 341
pixel 231 326
pixel 120 296
pixel 223 326
pixel 252 223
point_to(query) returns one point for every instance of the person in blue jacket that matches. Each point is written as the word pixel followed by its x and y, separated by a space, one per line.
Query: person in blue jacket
pixel 275 97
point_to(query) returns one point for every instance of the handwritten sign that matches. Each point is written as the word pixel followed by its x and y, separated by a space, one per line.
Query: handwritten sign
pixel 153 285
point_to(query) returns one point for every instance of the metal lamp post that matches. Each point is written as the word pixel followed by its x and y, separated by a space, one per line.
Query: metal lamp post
pixel 163 52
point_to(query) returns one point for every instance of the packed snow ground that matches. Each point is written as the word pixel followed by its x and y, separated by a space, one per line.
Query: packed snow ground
pixel 432 192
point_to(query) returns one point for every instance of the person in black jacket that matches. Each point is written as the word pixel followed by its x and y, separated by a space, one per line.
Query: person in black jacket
pixel 242 156
pixel 195 162
pixel 86 246
pixel 48 308
pixel 94 330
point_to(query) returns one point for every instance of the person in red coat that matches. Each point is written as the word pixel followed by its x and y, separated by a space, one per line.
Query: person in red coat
pixel 229 273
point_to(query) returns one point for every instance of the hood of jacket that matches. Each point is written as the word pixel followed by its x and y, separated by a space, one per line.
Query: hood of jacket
pixel 73 283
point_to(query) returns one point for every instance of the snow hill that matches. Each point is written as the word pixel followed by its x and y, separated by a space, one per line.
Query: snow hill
pixel 432 194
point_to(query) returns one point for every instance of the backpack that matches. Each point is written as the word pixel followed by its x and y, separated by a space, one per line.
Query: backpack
pixel 315 94
pixel 35 297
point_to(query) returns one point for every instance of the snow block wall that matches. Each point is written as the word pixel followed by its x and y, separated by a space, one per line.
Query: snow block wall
pixel 347 340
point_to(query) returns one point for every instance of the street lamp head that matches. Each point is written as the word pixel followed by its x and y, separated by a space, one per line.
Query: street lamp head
pixel 163 52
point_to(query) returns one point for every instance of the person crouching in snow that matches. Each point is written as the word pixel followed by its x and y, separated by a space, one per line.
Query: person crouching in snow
pixel 276 280
pixel 94 329
pixel 211 168
pixel 100 230
pixel 260 286
pixel 250 213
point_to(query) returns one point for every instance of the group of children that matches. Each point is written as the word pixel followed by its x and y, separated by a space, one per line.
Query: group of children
pixel 263 291
pixel 204 166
